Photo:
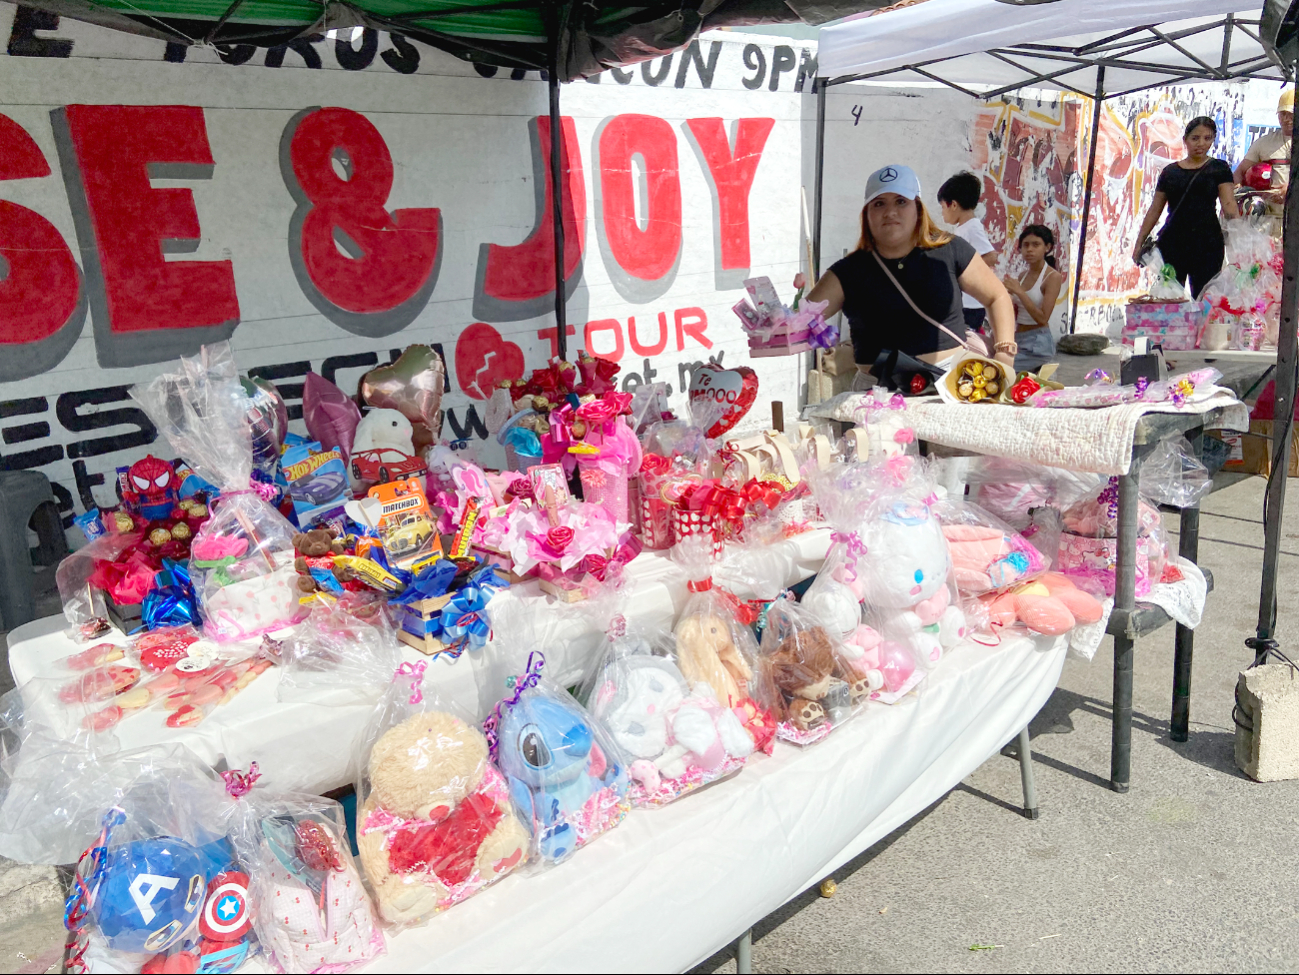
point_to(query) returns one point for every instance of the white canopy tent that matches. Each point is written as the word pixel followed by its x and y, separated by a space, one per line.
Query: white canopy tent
pixel 987 47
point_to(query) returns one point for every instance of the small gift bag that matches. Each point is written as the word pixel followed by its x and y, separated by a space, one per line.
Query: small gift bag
pixel 242 558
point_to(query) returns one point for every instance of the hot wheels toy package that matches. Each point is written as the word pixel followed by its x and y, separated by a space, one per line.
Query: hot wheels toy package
pixel 804 676
pixel 435 822
pixel 242 558
pixel 566 774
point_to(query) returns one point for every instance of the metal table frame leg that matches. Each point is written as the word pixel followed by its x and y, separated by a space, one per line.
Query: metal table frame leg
pixel 1026 775
pixel 744 953
pixel 1188 547
pixel 1124 602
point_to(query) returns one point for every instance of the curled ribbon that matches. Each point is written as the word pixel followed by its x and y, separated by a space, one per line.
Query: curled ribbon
pixel 1110 497
pixel 239 784
pixel 530 677
pixel 415 671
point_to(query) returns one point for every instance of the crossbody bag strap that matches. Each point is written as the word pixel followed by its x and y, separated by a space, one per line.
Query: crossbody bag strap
pixel 916 308
pixel 1185 193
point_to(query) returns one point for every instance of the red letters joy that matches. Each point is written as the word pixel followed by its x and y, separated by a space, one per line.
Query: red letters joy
pixel 369 269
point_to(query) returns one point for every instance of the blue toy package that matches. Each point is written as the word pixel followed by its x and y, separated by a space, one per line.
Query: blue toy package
pixel 317 482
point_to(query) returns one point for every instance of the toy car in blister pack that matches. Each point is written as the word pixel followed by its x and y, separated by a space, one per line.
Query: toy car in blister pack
pixel 317 483
pixel 406 523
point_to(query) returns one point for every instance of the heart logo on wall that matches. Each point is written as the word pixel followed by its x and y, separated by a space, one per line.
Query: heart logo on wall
pixel 484 359
pixel 721 397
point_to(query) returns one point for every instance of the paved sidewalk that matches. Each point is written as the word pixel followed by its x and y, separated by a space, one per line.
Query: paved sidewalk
pixel 1193 870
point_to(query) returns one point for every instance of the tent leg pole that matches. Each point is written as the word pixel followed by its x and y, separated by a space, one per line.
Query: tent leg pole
pixel 557 211
pixel 1287 361
pixel 1087 194
pixel 819 185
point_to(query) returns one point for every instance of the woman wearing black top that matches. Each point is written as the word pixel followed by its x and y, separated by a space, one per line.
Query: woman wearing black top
pixel 1191 238
pixel 934 267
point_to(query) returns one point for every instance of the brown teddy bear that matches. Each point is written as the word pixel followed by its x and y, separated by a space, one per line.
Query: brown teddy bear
pixel 315 548
pixel 805 672
pixel 437 825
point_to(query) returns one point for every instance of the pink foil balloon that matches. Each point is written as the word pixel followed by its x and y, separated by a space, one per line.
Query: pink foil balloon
pixel 413 385
pixel 330 414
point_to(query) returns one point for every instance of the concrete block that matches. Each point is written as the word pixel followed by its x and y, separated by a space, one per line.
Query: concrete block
pixel 1267 727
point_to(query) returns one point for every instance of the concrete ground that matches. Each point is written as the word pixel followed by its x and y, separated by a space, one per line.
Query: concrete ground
pixel 1193 870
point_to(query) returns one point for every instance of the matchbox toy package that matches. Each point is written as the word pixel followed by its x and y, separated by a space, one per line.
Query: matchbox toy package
pixel 317 483
pixel 406 528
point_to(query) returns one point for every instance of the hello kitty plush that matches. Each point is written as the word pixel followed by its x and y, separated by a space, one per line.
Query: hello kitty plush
pixel 907 581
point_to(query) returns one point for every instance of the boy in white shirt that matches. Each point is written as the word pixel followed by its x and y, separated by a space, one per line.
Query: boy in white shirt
pixel 959 197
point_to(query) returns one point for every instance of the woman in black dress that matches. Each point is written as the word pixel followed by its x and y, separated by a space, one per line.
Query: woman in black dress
pixel 1191 238
pixel 900 248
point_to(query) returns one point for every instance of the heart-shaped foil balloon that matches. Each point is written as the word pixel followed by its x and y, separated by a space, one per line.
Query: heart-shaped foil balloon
pixel 413 385
pixel 719 397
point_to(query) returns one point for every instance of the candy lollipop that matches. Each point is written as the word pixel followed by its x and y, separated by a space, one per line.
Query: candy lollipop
pixel 412 385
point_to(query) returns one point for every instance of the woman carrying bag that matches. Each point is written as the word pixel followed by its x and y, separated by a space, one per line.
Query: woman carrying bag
pixel 1191 238
pixel 901 288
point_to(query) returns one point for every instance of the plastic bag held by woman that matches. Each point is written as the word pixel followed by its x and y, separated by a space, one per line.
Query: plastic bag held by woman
pixel 435 822
pixel 565 773
pixel 242 558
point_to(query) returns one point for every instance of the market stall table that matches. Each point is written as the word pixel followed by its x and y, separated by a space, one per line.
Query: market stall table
pixel 306 745
pixel 1107 441
pixel 671 886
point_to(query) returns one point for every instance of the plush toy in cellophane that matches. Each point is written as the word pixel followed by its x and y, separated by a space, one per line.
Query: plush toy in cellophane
pixel 804 676
pixel 565 773
pixel 435 822
pixel 676 735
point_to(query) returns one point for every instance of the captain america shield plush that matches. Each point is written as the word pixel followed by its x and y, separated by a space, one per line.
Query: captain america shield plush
pixel 226 915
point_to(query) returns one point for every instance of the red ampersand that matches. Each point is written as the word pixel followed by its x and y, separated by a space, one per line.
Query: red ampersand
pixel 361 258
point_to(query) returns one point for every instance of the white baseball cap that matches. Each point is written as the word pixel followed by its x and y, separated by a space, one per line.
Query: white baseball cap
pixel 893 179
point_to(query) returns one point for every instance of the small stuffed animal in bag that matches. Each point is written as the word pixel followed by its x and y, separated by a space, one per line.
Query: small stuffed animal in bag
pixel 677 738
pixel 564 779
pixel 908 580
pixel 437 825
pixel 811 692
pixel 1051 605
pixel 707 654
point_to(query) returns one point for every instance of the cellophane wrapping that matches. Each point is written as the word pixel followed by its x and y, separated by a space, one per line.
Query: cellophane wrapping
pixel 435 822
pixel 242 558
pixel 676 736
pixel 567 776
pixel 1089 544
pixel 343 653
pixel 310 908
pixel 804 677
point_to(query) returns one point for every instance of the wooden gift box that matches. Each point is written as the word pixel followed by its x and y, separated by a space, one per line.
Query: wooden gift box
pixel 414 620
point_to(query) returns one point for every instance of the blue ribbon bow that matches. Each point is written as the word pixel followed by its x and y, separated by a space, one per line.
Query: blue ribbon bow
pixel 172 601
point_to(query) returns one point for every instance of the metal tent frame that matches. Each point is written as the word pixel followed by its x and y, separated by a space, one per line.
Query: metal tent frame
pixel 1051 65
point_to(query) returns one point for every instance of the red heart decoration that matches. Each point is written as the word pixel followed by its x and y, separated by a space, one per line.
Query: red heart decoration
pixel 484 359
pixel 732 390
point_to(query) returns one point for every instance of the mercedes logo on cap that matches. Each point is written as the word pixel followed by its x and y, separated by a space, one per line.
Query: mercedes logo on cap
pixel 888 174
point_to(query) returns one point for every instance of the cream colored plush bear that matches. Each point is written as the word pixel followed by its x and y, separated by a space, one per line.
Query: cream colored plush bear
pixel 438 824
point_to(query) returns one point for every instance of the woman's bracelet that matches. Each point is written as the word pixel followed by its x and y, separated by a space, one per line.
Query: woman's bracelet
pixel 1010 348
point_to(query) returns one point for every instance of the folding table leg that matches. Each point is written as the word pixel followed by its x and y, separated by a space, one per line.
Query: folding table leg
pixel 1125 589
pixel 744 953
pixel 1184 641
pixel 1026 775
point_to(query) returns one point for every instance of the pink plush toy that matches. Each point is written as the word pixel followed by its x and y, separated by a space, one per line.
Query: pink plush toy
pixel 1051 605
pixel 887 666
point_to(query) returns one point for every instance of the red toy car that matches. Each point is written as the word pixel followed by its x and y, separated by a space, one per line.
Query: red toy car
pixel 384 464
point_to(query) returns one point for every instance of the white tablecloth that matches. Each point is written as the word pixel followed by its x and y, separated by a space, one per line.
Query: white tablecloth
pixel 307 747
pixel 670 886
pixel 1095 440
